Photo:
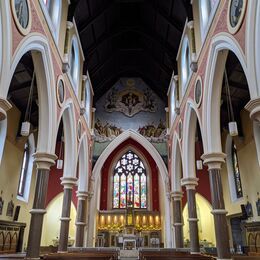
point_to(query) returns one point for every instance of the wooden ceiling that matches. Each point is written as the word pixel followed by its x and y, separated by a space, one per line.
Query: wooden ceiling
pixel 130 38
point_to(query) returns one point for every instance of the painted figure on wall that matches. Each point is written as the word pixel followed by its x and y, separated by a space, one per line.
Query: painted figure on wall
pixel 10 208
pixel 1 203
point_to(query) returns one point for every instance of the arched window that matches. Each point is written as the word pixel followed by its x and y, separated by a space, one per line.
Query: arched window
pixel 129 182
pixel 88 101
pixel 54 11
pixel 235 184
pixel 205 10
pixel 24 170
pixel 185 64
pixel 74 64
pixel 236 171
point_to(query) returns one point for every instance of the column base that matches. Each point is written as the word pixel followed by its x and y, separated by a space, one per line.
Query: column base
pixel 195 253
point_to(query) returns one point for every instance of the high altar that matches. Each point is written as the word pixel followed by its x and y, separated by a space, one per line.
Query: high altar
pixel 129 228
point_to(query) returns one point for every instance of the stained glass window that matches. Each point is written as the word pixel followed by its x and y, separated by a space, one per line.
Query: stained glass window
pixel 236 170
pixel 129 182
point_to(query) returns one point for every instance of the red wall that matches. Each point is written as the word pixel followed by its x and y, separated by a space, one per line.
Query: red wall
pixel 107 165
pixel 203 187
pixel 54 186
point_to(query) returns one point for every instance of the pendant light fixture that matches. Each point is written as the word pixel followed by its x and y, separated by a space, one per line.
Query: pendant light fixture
pixel 26 125
pixel 60 156
pixel 232 125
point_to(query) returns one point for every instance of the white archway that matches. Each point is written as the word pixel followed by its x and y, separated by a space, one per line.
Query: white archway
pixel 83 157
pixel 5 42
pixel 67 115
pixel 191 116
pixel 43 66
pixel 177 166
pixel 221 44
pixel 130 134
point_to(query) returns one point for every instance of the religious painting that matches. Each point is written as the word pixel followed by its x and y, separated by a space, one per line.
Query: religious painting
pixel 249 210
pixel 154 133
pixel 22 12
pixel 129 100
pixel 10 209
pixel 235 11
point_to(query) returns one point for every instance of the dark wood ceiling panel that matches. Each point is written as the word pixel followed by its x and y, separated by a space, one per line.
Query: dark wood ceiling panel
pixel 124 38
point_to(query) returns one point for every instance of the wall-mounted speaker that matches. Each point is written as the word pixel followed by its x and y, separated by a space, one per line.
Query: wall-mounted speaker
pixel 16 213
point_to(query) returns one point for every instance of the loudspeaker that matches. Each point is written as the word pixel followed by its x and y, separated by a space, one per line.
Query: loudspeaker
pixel 243 210
pixel 16 213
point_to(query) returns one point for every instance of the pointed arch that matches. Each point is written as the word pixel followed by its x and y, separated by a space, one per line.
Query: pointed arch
pixel 83 158
pixel 130 134
pixel 191 117
pixel 43 66
pixel 67 115
pixel 177 164
pixel 221 44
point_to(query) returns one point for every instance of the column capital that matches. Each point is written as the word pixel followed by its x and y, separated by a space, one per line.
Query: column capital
pixel 213 160
pixel 43 160
pixel 82 195
pixel 176 195
pixel 253 107
pixel 4 107
pixel 190 182
pixel 90 195
pixel 68 182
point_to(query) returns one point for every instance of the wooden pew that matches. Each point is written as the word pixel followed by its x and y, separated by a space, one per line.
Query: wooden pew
pixel 168 254
pixel 86 253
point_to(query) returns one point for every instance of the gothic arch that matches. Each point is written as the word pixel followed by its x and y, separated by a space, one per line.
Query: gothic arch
pixel 191 116
pixel 221 44
pixel 130 134
pixel 176 164
pixel 83 158
pixel 67 115
pixel 5 42
pixel 43 66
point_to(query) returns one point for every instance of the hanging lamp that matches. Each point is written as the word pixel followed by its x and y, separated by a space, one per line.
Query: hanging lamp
pixel 60 156
pixel 232 125
pixel 26 125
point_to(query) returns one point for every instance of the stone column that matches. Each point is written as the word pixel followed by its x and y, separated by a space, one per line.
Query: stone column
pixel 177 218
pixel 4 107
pixel 81 218
pixel 190 184
pixel 214 161
pixel 68 183
pixel 43 163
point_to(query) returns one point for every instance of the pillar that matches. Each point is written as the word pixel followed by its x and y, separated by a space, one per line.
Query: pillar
pixel 177 218
pixel 190 184
pixel 68 183
pixel 214 161
pixel 43 163
pixel 81 218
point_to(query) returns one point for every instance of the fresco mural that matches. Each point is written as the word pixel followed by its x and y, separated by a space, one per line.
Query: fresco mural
pixel 130 104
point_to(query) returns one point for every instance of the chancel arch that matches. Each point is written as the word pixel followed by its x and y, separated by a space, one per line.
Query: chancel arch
pixel 159 169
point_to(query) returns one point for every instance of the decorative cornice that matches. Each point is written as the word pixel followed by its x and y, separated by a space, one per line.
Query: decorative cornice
pixel 213 160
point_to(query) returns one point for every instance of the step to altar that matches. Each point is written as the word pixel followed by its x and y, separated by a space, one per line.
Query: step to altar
pixel 129 254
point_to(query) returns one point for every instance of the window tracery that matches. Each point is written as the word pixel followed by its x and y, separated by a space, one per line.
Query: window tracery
pixel 129 182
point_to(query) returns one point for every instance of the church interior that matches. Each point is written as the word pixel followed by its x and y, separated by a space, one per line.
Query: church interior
pixel 129 129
